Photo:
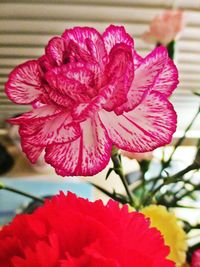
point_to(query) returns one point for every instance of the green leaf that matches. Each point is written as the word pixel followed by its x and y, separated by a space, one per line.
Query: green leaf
pixel 195 93
pixel 117 197
pixel 109 172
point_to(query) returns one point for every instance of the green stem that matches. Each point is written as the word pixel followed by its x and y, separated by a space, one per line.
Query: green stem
pixel 156 179
pixel 171 49
pixel 14 190
pixel 180 141
pixel 197 187
pixel 146 182
pixel 161 170
pixel 166 164
pixel 119 171
pixel 182 192
pixel 173 179
pixel 142 178
pixel 193 166
pixel 117 197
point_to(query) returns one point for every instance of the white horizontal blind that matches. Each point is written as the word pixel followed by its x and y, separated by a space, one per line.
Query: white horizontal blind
pixel 26 26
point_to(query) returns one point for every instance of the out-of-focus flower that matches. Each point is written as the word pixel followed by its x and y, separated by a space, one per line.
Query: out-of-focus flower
pixel 137 156
pixel 196 258
pixel 92 92
pixel 72 232
pixel 165 27
pixel 172 232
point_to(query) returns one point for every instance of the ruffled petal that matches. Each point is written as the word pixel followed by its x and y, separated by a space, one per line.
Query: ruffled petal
pixel 78 53
pixel 92 259
pixel 137 60
pixel 68 90
pixel 56 129
pixel 55 50
pixel 45 63
pixel 114 35
pixel 89 40
pixel 40 113
pixel 83 111
pixel 167 80
pixel 120 72
pixel 58 98
pixel 24 83
pixel 78 72
pixel 145 78
pixel 32 152
pixel 99 78
pixel 44 254
pixel 87 155
pixel 150 125
pixel 73 80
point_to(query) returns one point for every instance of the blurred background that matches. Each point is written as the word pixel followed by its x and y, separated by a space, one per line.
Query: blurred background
pixel 26 27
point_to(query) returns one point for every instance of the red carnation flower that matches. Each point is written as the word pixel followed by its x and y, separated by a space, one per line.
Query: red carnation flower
pixel 73 232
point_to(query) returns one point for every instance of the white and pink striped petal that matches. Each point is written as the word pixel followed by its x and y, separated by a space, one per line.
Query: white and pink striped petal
pixel 24 83
pixel 56 129
pixel 88 39
pixel 146 77
pixel 58 98
pixel 55 51
pixel 63 90
pixel 99 77
pixel 150 125
pixel 74 80
pixel 86 110
pixel 167 80
pixel 87 155
pixel 120 73
pixel 115 35
pixel 78 53
pixel 40 113
pixel 32 152
pixel 45 63
pixel 79 72
pixel 137 60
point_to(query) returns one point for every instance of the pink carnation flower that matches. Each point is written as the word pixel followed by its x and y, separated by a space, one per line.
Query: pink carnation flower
pixel 73 232
pixel 93 91
pixel 196 258
pixel 165 27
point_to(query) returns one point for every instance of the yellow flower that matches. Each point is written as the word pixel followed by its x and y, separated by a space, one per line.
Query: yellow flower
pixel 172 232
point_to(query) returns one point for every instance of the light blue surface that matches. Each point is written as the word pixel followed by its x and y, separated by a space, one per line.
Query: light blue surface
pixel 10 202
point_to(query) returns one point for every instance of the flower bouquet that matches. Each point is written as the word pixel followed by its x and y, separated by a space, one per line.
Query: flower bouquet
pixel 93 98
